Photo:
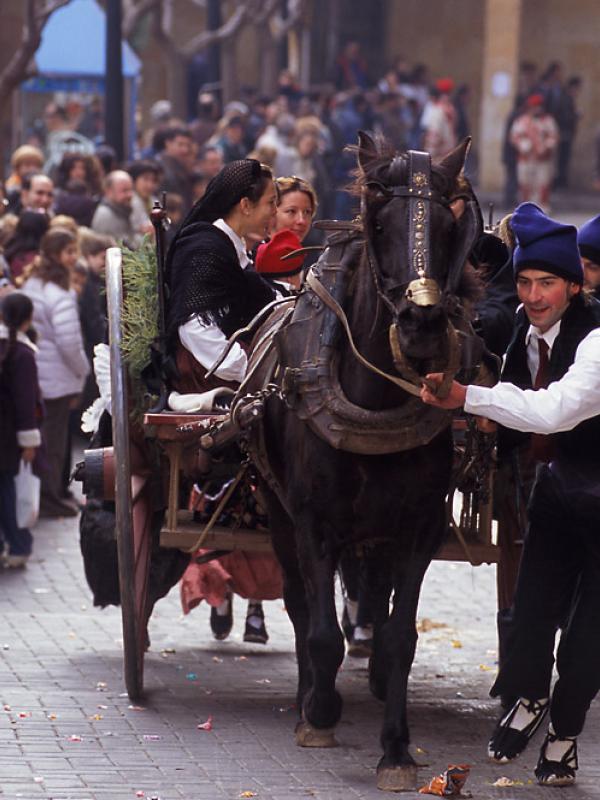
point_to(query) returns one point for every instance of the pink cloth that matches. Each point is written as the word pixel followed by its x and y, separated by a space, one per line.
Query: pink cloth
pixel 255 575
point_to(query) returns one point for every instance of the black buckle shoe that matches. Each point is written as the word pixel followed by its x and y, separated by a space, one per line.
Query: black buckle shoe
pixel 557 773
pixel 255 631
pixel 508 742
pixel 221 624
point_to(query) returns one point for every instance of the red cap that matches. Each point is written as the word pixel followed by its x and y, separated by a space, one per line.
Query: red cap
pixel 269 254
pixel 535 100
pixel 444 85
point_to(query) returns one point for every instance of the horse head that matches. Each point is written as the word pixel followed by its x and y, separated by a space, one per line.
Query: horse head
pixel 420 221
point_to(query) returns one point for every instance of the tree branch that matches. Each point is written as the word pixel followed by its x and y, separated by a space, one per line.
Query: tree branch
pixel 227 31
pixel 133 13
pixel 18 68
pixel 280 26
pixel 45 11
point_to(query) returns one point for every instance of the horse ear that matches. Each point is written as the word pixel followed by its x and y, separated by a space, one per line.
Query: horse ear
pixel 454 162
pixel 367 150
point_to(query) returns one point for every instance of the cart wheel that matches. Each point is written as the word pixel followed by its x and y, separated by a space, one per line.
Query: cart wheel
pixel 132 518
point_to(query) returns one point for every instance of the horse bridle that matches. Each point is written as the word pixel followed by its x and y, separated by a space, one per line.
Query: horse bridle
pixel 423 290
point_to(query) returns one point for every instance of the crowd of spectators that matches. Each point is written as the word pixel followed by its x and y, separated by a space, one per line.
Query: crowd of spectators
pixel 67 199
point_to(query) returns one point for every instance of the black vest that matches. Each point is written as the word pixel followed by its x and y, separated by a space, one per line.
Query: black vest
pixel 582 316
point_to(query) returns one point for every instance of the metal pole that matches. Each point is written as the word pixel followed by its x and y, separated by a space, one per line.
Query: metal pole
pixel 114 108
pixel 213 23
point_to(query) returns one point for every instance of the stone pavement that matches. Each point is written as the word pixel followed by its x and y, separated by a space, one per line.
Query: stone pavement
pixel 67 731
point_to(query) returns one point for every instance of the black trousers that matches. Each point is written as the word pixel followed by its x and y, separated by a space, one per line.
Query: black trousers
pixel 559 576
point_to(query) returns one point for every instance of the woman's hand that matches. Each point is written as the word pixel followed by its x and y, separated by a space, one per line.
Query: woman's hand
pixel 455 398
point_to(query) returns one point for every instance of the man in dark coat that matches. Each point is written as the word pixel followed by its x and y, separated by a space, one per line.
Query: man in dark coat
pixel 175 160
pixel 556 340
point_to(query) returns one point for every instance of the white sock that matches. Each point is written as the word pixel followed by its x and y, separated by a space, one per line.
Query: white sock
pixel 361 634
pixel 351 610
pixel 224 608
pixel 556 750
pixel 523 717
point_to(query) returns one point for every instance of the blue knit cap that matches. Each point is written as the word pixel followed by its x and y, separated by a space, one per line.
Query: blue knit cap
pixel 588 239
pixel 544 243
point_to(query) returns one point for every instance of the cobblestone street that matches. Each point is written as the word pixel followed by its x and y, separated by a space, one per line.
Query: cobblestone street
pixel 68 731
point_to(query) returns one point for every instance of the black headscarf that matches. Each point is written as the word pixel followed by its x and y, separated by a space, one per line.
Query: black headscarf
pixel 202 270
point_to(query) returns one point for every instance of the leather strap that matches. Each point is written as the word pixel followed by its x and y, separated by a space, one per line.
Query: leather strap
pixel 323 295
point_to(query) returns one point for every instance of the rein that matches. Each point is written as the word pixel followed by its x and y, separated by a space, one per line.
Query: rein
pixel 411 387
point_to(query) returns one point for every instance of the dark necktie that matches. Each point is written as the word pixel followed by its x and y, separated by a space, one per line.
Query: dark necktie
pixel 542 376
pixel 542 447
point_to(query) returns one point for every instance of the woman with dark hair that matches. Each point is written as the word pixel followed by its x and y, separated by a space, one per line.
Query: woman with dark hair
pixel 23 246
pixel 214 291
pixel 213 288
pixel 20 417
pixel 78 187
pixel 61 359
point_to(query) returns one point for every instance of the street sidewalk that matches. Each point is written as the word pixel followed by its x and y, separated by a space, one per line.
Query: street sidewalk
pixel 68 732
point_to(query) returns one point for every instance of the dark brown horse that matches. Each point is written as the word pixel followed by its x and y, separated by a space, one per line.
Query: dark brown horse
pixel 350 457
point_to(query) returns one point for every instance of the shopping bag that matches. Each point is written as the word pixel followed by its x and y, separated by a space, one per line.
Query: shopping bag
pixel 27 488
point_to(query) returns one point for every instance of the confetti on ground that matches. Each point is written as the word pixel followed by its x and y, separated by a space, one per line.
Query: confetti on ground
pixel 425 625
pixel 206 726
pixel 420 751
pixel 97 717
pixel 263 680
pixel 248 794
pixel 72 635
pixel 74 738
pixel 7 708
pixel 38 779
pixel 136 708
pixel 152 737
pixel 505 783
pixel 241 658
pixel 41 591
pixel 217 660
pixel 101 686
pixel 6 647
pixel 168 651
pixel 140 794
pixel 101 707
pixel 486 668
pixel 191 676
pixel 24 714
pixel 456 643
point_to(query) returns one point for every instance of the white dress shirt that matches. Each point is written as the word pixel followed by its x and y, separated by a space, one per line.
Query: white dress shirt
pixel 560 407
pixel 207 342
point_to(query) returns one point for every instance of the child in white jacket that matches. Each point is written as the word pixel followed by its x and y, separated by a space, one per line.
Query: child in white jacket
pixel 61 359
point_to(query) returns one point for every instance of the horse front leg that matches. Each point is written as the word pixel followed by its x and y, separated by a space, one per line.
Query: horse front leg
pixel 322 705
pixel 397 770
pixel 294 594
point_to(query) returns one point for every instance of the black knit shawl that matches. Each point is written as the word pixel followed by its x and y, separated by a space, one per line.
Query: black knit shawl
pixel 205 279
pixel 202 271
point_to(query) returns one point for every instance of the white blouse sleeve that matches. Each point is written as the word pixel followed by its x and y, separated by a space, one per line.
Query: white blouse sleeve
pixel 206 343
pixel 560 407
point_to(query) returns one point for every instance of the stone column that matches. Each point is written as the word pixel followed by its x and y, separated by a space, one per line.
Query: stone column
pixel 501 31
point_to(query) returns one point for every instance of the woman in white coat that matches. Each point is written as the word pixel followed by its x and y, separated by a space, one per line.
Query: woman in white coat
pixel 61 359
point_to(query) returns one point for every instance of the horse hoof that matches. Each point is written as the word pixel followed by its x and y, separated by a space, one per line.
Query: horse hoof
pixel 308 736
pixel 397 779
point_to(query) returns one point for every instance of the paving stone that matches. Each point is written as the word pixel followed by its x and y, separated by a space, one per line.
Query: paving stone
pixel 61 650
